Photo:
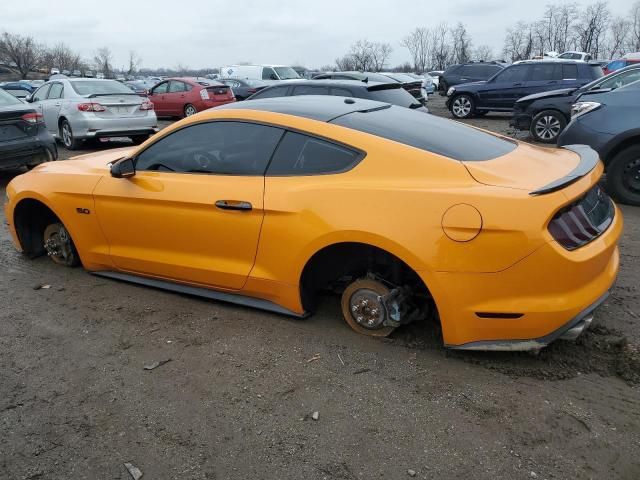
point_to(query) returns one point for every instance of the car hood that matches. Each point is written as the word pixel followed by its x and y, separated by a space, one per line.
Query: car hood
pixel 564 92
pixel 91 163
pixel 526 168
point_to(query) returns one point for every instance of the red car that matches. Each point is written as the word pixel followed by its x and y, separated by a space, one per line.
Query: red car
pixel 621 63
pixel 183 97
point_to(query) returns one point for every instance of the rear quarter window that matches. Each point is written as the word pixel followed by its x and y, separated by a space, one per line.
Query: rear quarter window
pixel 429 133
pixel 299 154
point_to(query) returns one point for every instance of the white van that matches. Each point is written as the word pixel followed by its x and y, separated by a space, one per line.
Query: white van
pixel 268 73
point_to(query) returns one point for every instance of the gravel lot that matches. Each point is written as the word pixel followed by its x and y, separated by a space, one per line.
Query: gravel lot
pixel 237 399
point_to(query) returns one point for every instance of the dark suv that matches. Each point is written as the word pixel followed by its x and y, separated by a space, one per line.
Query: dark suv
pixel 500 92
pixel 610 124
pixel 467 72
pixel 391 92
pixel 546 114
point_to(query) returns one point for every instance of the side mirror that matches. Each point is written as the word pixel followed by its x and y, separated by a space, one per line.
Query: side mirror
pixel 273 76
pixel 123 168
pixel 28 98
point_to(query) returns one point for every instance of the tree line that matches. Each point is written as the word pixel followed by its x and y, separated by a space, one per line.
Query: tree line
pixel 591 28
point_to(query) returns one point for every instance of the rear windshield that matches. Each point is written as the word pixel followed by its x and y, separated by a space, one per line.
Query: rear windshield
pixel 395 96
pixel 99 87
pixel 8 99
pixel 428 132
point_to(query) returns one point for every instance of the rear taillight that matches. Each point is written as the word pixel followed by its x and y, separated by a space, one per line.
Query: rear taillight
pixel 91 107
pixel 204 94
pixel 583 220
pixel 146 106
pixel 33 117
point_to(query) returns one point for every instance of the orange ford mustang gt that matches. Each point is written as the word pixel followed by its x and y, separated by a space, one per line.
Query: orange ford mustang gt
pixel 409 216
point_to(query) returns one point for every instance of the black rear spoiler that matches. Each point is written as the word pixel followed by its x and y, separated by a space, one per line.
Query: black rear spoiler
pixel 588 161
pixel 384 86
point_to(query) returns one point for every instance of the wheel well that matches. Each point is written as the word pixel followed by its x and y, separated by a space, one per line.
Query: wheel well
pixel 626 143
pixel 30 218
pixel 331 266
pixel 60 120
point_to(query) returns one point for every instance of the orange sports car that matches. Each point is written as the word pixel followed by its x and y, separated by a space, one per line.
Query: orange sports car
pixel 266 203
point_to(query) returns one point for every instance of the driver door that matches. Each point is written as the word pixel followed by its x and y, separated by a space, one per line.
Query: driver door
pixel 193 211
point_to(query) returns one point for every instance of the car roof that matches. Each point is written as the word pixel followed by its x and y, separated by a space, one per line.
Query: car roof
pixel 316 107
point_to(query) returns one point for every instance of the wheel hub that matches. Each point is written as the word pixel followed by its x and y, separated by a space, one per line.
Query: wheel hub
pixel 58 245
pixel 548 127
pixel 461 107
pixel 367 309
pixel 632 175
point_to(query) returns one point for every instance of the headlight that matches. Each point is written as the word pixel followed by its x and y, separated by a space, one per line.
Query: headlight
pixel 581 108
pixel 450 91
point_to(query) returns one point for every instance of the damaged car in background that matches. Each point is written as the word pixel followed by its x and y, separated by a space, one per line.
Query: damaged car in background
pixel 409 217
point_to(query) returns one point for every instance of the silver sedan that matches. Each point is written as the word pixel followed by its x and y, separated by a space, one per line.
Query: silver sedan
pixel 77 109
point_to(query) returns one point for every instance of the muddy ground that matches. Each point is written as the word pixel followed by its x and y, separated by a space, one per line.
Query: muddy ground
pixel 237 397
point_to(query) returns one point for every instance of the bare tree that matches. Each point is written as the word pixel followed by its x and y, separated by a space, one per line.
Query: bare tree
pixel 441 52
pixel 102 59
pixel 134 62
pixel 61 57
pixel 20 53
pixel 518 43
pixel 591 28
pixel 461 43
pixel 483 52
pixel 634 20
pixel 418 43
pixel 619 33
pixel 554 31
pixel 380 53
pixel 345 63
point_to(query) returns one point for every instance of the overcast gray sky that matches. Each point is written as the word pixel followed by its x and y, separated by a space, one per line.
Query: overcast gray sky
pixel 215 33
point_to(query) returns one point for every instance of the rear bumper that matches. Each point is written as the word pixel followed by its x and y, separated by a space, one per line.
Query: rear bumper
pixel 520 121
pixel 547 295
pixel 28 151
pixel 95 127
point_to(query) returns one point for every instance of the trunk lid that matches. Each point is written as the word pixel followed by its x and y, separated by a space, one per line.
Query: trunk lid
pixel 119 106
pixel 526 168
pixel 219 92
pixel 12 126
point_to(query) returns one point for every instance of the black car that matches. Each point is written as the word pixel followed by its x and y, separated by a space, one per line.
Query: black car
pixel 465 73
pixel 546 114
pixel 243 88
pixel 501 91
pixel 413 87
pixel 609 123
pixel 392 93
pixel 24 140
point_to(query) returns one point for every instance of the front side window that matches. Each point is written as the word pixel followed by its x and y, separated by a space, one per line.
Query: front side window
pixel 162 88
pixel 220 148
pixel 56 91
pixel 514 74
pixel 41 93
pixel 269 74
pixel 300 154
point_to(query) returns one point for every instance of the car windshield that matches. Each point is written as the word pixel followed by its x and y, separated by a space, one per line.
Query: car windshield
pixel 6 99
pixel 286 73
pixel 99 87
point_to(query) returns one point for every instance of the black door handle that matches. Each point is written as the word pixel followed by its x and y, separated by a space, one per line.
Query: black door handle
pixel 233 205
